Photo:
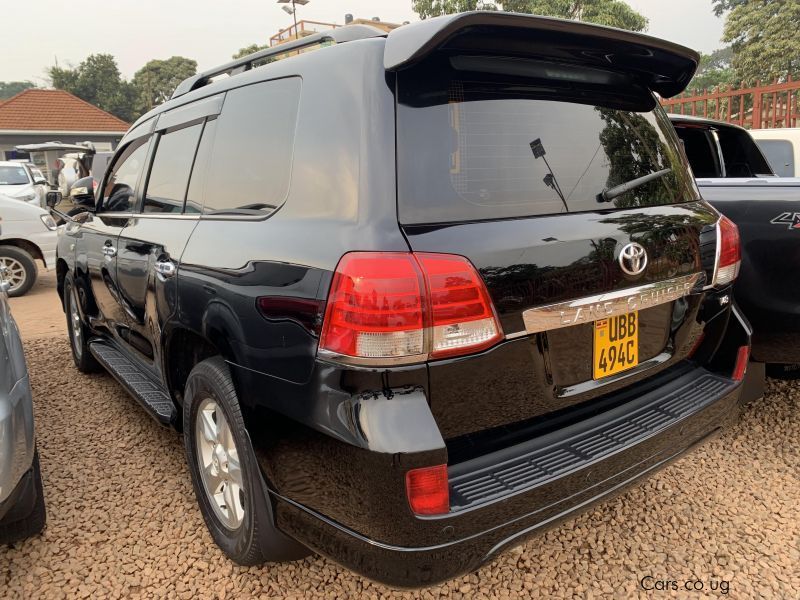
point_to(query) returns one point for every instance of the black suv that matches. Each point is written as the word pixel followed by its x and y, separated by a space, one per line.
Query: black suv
pixel 413 297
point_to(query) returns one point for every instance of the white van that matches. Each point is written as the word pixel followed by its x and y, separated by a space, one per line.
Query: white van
pixel 27 233
pixel 782 149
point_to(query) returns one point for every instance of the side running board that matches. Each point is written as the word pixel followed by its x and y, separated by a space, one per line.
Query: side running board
pixel 151 395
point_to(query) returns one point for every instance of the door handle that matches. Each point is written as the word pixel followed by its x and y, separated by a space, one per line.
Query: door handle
pixel 165 268
pixel 109 251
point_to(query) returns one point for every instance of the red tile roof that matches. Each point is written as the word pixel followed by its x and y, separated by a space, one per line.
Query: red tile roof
pixel 55 110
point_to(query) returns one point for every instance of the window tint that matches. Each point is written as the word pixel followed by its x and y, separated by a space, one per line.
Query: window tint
pixel 194 197
pixel 779 155
pixel 166 186
pixel 740 153
pixel 489 148
pixel 251 159
pixel 120 189
pixel 701 150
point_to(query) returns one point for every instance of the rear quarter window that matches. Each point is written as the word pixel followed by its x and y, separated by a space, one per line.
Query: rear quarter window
pixel 477 148
pixel 248 168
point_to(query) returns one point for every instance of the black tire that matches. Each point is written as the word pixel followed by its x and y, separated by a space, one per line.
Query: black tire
pixel 76 330
pixel 15 528
pixel 29 271
pixel 256 539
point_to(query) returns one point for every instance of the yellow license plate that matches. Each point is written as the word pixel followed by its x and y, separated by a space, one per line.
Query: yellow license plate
pixel 616 344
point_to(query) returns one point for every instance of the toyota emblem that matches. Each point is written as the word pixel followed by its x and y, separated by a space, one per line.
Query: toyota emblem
pixel 633 259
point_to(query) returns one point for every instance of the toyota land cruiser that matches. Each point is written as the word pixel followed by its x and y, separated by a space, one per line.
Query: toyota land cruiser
pixel 413 297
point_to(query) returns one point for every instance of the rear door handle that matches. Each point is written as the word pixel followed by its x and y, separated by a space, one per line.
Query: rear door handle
pixel 165 268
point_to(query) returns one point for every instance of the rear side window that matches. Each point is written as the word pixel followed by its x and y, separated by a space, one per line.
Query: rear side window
pixel 780 155
pixel 476 147
pixel 169 176
pixel 741 154
pixel 250 163
pixel 701 150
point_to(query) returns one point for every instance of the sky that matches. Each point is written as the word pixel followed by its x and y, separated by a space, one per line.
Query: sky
pixel 210 31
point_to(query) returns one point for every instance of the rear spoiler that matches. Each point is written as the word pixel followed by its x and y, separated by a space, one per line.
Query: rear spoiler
pixel 662 66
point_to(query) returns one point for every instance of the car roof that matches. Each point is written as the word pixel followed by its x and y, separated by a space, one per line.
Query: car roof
pixel 663 66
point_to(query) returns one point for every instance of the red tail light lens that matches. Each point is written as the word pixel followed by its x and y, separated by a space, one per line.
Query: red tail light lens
pixel 428 490
pixel 462 316
pixel 730 252
pixel 409 306
pixel 375 306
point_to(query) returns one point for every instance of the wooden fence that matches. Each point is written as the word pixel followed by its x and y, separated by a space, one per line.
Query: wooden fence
pixel 759 107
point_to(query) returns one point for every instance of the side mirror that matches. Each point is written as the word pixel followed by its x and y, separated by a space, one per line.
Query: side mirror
pixel 40 181
pixel 53 198
pixel 82 193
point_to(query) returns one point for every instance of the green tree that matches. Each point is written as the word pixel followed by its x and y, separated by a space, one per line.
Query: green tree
pixel 721 6
pixel 763 35
pixel 97 80
pixel 12 88
pixel 715 69
pixel 155 82
pixel 435 8
pixel 614 13
pixel 242 52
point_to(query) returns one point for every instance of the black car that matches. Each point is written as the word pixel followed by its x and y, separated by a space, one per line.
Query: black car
pixel 734 176
pixel 413 297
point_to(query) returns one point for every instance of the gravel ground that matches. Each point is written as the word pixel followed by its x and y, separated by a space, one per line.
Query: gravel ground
pixel 122 519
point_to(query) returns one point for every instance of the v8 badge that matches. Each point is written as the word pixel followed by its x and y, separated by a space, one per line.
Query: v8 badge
pixel 791 220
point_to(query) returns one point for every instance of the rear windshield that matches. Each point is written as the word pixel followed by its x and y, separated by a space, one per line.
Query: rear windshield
pixel 477 146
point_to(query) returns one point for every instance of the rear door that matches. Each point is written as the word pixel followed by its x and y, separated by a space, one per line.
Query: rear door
pixel 509 171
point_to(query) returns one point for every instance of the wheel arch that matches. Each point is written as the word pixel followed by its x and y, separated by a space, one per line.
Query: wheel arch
pixel 26 245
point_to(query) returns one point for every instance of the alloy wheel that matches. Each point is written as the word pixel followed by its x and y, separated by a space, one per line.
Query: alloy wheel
pixel 75 325
pixel 218 459
pixel 15 273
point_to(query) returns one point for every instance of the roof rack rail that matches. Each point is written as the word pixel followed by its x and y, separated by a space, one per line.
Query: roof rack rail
pixel 348 33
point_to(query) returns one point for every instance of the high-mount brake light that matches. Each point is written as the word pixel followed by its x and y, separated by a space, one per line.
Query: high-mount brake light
pixel 730 252
pixel 407 307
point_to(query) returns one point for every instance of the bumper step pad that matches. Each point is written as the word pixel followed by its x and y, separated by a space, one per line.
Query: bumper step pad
pixel 536 462
pixel 152 396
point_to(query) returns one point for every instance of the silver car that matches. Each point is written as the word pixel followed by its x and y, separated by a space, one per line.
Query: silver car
pixel 22 510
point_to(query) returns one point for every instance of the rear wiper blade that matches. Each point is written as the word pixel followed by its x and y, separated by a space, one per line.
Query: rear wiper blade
pixel 609 194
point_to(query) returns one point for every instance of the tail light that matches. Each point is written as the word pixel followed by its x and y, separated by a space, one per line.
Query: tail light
pixel 406 307
pixel 730 252
pixel 428 490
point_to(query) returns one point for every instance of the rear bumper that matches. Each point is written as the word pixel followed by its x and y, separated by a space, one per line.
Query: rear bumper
pixel 477 530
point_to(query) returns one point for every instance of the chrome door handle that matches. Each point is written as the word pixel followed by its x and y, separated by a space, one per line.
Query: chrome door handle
pixel 109 251
pixel 166 268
